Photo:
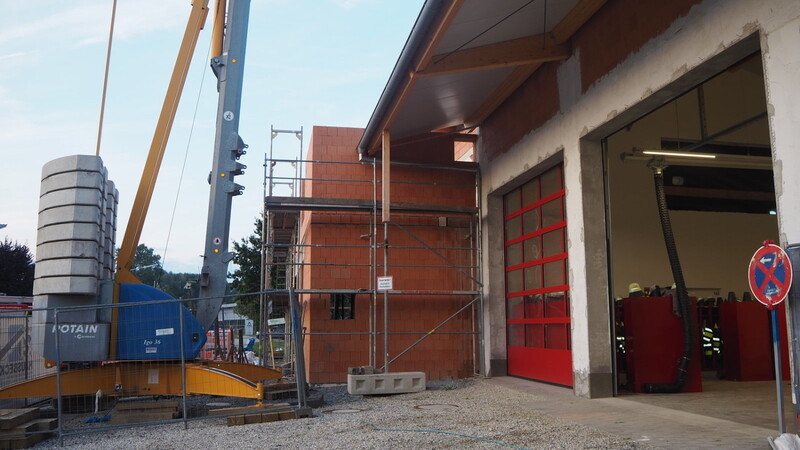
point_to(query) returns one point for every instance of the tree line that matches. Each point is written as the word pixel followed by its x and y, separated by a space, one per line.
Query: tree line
pixel 17 271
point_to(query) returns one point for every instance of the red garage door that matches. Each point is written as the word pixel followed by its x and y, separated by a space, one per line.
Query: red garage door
pixel 537 293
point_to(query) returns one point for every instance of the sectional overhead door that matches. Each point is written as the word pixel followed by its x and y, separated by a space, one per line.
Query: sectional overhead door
pixel 537 290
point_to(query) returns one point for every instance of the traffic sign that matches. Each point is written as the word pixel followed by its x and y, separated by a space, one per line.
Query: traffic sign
pixel 770 275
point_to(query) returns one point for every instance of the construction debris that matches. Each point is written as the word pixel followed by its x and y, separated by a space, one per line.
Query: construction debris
pixel 23 428
pixel 138 411
pixel 253 409
pixel 271 416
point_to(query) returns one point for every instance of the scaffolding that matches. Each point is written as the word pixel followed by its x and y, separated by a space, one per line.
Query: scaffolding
pixel 285 249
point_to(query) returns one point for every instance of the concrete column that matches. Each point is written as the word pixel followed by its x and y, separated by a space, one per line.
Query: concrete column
pixel 781 75
pixel 588 270
pixel 781 62
pixel 494 308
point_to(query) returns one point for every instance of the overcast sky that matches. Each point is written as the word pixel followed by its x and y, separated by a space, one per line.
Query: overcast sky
pixel 309 62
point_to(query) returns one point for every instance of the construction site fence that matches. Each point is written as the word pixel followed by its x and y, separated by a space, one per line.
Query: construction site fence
pixel 19 356
pixel 162 368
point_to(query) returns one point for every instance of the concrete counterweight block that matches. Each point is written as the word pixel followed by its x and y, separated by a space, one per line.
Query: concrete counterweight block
pixel 64 285
pixel 67 232
pixel 72 180
pixel 64 197
pixel 386 383
pixel 73 163
pixel 71 214
pixel 66 249
pixel 70 241
pixel 70 267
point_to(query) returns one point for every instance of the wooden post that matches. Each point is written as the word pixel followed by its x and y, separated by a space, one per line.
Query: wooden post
pixel 385 165
pixel 386 217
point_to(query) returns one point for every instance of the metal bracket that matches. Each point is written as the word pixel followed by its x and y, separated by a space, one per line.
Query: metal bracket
pixel 657 165
pixel 216 67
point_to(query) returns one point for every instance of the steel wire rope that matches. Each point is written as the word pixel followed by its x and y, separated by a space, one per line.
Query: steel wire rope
pixel 183 167
pixel 105 77
pixel 512 13
pixel 164 138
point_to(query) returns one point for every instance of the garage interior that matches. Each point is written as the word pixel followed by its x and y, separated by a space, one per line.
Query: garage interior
pixel 721 208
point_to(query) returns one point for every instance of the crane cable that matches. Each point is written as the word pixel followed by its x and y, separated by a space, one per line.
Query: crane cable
pixel 105 77
pixel 183 167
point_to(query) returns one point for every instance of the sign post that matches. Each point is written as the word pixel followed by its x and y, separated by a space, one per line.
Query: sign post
pixel 770 277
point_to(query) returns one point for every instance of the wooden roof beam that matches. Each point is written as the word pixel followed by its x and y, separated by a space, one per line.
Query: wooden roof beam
pixel 561 33
pixel 516 52
pixel 575 19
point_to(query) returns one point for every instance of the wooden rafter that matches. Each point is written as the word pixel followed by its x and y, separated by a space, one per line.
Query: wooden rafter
pixel 561 33
pixel 516 52
pixel 575 19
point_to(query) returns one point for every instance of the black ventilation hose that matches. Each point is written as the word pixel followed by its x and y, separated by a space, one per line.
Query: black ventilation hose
pixel 680 287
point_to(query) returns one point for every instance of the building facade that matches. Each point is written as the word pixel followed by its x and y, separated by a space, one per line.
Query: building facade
pixel 556 107
pixel 428 249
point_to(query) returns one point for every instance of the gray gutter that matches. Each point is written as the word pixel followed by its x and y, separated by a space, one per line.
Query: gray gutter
pixel 401 72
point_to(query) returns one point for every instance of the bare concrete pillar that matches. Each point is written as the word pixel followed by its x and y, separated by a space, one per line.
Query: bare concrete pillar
pixel 588 270
pixel 781 68
pixel 494 304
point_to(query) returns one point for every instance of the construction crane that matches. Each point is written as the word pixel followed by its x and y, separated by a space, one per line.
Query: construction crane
pixel 117 357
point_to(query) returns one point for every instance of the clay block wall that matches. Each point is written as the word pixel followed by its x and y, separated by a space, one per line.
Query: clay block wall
pixel 345 265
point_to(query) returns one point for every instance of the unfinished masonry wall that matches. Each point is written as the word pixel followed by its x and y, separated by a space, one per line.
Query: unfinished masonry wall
pixel 627 60
pixel 344 264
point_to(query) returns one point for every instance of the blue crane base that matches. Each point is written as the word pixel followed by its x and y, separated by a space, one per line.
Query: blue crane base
pixel 154 331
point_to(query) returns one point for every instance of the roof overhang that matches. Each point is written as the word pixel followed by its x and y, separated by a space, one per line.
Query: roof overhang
pixel 463 58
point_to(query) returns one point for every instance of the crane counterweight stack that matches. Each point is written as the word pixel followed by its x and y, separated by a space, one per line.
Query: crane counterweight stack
pixel 75 256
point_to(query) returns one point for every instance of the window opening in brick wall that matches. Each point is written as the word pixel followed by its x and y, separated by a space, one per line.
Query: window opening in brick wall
pixel 343 306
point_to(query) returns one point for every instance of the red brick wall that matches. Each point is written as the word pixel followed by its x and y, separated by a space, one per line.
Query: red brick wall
pixel 329 356
pixel 618 29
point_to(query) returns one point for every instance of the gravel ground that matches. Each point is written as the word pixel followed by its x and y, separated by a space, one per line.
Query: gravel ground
pixel 452 414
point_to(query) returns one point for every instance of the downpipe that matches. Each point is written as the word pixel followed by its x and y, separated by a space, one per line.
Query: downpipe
pixel 680 287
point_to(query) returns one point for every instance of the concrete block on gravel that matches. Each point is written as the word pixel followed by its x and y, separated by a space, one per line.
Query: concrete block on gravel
pixel 386 383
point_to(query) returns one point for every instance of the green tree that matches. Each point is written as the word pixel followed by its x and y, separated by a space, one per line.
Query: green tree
pixel 146 265
pixel 175 284
pixel 16 269
pixel 247 276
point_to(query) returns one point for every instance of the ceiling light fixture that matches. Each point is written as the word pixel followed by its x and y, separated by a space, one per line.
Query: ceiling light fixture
pixel 679 154
pixel 678 158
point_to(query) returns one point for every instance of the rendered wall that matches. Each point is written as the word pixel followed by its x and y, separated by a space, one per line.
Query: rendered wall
pixel 343 267
pixel 618 80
